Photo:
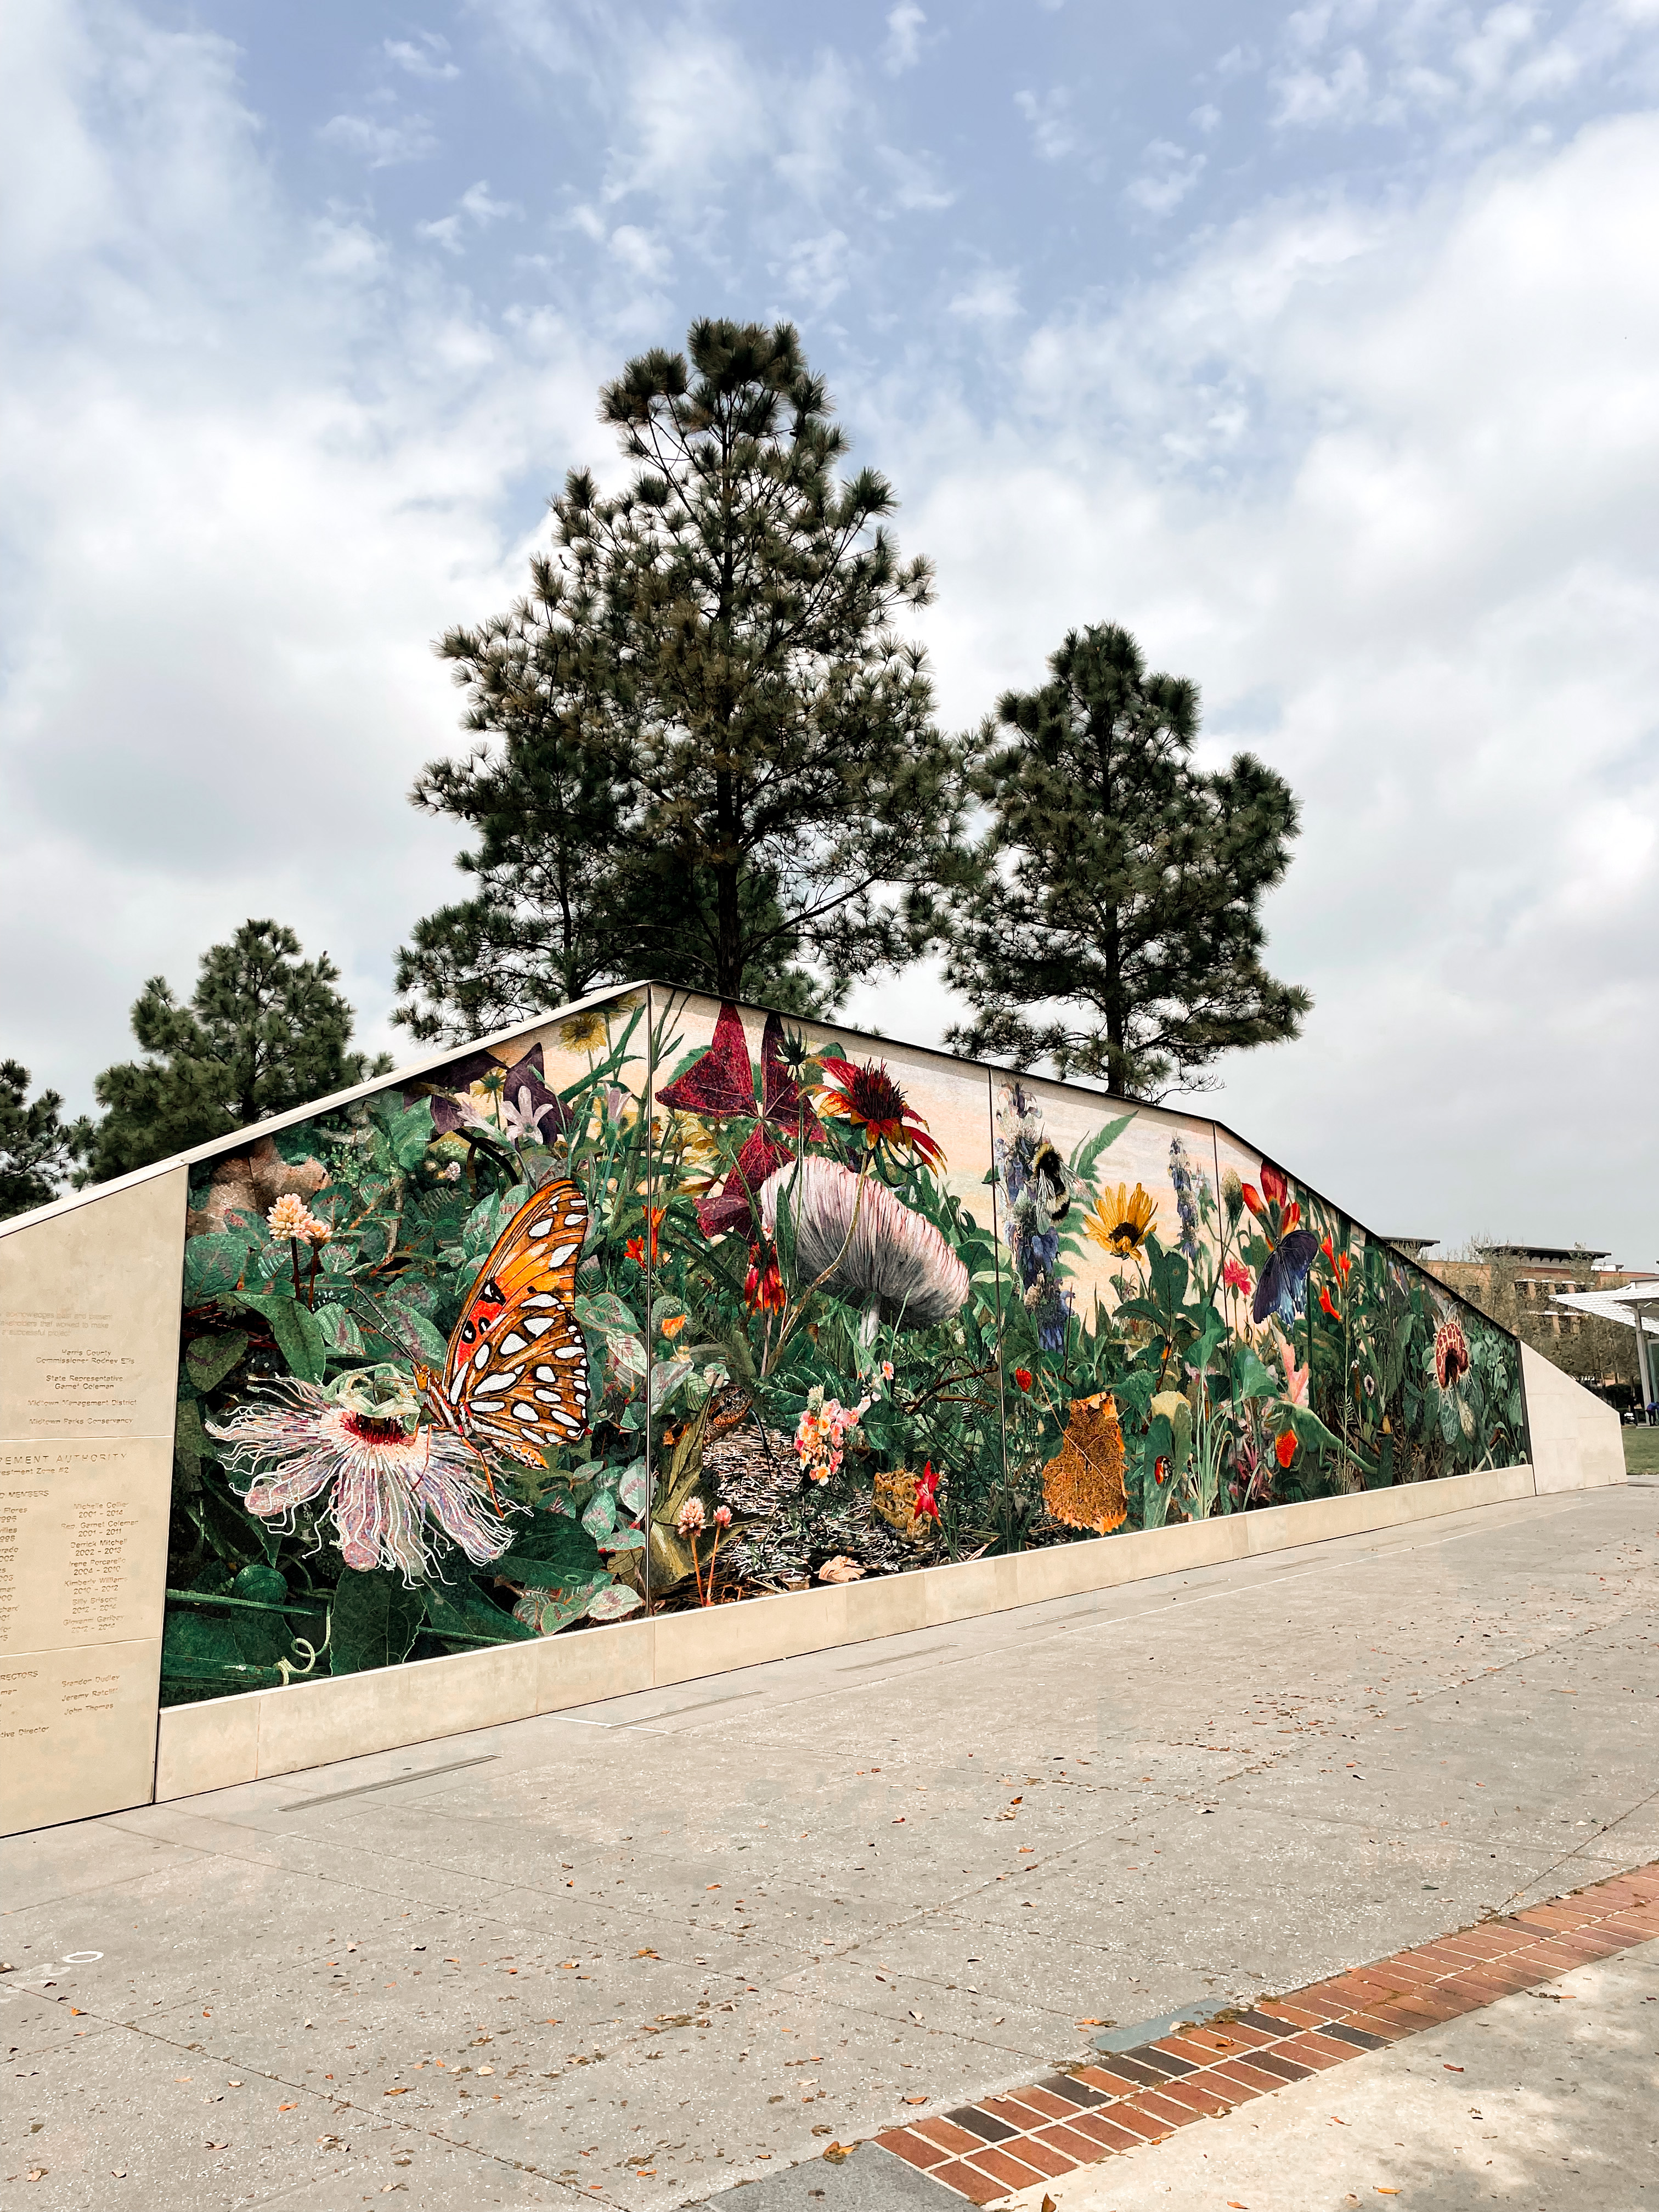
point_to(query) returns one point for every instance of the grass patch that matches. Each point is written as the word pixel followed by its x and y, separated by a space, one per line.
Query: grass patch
pixel 1641 1450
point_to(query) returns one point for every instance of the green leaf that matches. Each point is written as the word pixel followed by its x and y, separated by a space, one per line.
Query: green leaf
pixel 614 1602
pixel 210 1359
pixel 552 1553
pixel 606 1312
pixel 600 1514
pixel 630 1489
pixel 406 1326
pixel 342 1337
pixel 1155 1495
pixel 1085 1158
pixel 409 1133
pixel 376 1621
pixel 1250 1378
pixel 547 1611
pixel 462 1608
pixel 298 1333
pixel 190 1444
pixel 214 1264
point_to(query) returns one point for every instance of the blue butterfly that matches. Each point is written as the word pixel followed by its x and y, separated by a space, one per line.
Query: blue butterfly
pixel 1283 1288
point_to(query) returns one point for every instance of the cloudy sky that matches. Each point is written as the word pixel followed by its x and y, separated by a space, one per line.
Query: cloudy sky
pixel 1319 345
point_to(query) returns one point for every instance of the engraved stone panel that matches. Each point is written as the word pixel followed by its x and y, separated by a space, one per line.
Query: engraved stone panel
pixel 89 1316
pixel 82 1542
pixel 77 1732
pixel 88 1385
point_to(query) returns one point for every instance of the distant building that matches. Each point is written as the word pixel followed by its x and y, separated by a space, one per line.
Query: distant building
pixel 1517 1284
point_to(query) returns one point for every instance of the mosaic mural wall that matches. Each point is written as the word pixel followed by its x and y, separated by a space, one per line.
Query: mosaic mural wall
pixel 669 1305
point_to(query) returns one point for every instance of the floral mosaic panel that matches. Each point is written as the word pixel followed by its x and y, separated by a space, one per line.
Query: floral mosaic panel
pixel 665 1303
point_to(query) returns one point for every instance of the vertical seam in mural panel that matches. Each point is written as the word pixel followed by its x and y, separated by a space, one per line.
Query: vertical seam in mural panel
pixel 996 1261
pixel 650 1291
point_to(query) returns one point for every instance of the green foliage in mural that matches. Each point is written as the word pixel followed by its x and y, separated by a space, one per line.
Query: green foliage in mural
pixel 780 1344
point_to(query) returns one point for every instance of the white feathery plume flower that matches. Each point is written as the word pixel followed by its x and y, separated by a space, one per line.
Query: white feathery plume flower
pixel 867 1245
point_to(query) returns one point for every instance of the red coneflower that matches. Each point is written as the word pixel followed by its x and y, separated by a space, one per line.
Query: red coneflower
pixel 868 1098
pixel 1284 1447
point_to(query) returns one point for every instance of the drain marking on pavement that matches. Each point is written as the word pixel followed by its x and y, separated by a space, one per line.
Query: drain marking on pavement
pixel 393 1782
pixel 895 1659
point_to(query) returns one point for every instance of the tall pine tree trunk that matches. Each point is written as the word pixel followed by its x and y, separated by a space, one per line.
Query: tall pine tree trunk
pixel 728 936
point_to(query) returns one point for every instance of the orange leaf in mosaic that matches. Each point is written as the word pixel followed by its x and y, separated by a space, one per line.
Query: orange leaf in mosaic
pixel 1083 1484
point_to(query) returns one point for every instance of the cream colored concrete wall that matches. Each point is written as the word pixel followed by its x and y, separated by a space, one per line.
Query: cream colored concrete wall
pixel 270 1732
pixel 88 1369
pixel 1576 1439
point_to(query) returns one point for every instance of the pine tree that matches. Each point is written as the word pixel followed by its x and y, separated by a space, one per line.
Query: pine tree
pixel 264 1030
pixel 713 760
pixel 36 1149
pixel 1114 927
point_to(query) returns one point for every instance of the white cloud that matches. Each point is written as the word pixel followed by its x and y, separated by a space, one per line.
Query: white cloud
pixel 991 296
pixel 819 270
pixel 639 253
pixel 917 186
pixel 902 48
pixel 1168 174
pixel 1426 544
pixel 1380 475
pixel 384 142
pixel 1309 98
pixel 1054 133
pixel 425 56
pixel 239 545
pixel 475 211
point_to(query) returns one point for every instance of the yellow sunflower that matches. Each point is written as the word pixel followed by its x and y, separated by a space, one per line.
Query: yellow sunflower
pixel 582 1032
pixel 1121 1219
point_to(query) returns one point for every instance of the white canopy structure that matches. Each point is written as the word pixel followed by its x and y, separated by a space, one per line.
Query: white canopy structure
pixel 1635 1306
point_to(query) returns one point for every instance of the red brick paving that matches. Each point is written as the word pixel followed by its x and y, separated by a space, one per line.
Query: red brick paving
pixel 1232 2061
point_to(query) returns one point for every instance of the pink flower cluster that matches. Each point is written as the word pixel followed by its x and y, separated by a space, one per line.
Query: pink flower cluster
pixel 821 1434
pixel 290 1217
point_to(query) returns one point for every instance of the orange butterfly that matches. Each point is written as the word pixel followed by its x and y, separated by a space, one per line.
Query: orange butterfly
pixel 516 1377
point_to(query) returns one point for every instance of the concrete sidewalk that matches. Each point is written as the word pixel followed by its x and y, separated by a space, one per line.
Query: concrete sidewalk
pixel 646 1950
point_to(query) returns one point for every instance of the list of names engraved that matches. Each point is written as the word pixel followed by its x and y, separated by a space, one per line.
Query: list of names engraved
pixel 77 1732
pixel 82 1543
pixel 68 1373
